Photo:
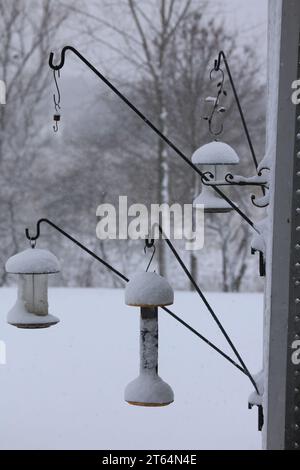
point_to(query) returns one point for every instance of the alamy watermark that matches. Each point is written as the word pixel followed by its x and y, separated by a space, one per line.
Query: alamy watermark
pixel 296 352
pixel 2 353
pixel 2 92
pixel 296 94
pixel 136 222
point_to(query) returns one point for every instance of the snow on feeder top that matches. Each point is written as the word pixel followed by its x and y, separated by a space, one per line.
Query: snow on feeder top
pixel 215 153
pixel 33 261
pixel 148 289
pixel 31 307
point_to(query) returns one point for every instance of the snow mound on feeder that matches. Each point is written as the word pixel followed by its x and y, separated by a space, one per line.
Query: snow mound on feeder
pixel 33 261
pixel 20 317
pixel 255 398
pixel 148 289
pixel 148 389
pixel 215 153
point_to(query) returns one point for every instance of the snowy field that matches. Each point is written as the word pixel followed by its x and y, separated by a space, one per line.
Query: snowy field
pixel 62 388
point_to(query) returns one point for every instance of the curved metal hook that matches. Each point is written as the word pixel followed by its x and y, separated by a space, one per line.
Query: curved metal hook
pixel 62 57
pixel 56 101
pixel 229 178
pixel 149 243
pixel 36 236
pixel 215 132
pixel 257 204
pixel 207 177
pixel 220 87
pixel 221 56
pixel 217 70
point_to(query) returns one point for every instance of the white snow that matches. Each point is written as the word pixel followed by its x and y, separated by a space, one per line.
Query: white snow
pixel 260 179
pixel 33 260
pixel 19 315
pixel 255 398
pixel 63 387
pixel 149 388
pixel 148 289
pixel 260 240
pixel 215 153
pixel 211 99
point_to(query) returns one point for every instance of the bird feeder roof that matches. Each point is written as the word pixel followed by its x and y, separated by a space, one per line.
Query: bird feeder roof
pixel 148 289
pixel 33 261
pixel 215 153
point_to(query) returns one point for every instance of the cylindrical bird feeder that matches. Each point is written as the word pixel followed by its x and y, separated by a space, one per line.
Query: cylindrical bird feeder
pixel 31 307
pixel 148 291
pixel 211 158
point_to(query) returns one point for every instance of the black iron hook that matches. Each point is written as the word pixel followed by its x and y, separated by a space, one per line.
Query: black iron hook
pixel 260 205
pixel 145 120
pixel 36 236
pixel 220 86
pixel 221 56
pixel 149 243
pixel 56 101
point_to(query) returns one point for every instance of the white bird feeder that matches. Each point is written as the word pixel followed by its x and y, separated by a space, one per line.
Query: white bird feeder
pixel 149 291
pixel 31 307
pixel 212 158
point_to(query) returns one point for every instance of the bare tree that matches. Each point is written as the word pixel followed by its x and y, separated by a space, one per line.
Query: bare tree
pixel 27 30
pixel 169 80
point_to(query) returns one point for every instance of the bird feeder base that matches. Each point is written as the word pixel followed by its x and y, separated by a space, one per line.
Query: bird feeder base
pixel 20 318
pixel 218 211
pixel 34 326
pixel 153 405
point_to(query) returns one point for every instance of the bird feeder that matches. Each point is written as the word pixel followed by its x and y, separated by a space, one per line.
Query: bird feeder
pixel 211 201
pixel 31 308
pixel 212 158
pixel 148 291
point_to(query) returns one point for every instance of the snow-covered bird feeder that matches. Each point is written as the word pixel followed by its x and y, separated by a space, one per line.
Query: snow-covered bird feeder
pixel 212 202
pixel 31 308
pixel 212 158
pixel 148 291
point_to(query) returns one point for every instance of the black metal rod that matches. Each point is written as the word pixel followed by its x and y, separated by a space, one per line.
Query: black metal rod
pixel 67 235
pixel 204 339
pixel 124 278
pixel 209 308
pixel 146 121
pixel 217 67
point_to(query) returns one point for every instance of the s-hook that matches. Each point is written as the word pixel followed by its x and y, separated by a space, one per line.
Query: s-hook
pixel 149 243
pixel 145 120
pixel 216 106
pixel 56 100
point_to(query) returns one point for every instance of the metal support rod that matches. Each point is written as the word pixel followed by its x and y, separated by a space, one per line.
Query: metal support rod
pixel 146 121
pixel 124 278
pixel 217 67
pixel 209 308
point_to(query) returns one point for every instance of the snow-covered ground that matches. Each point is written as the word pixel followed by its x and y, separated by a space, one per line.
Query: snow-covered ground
pixel 62 388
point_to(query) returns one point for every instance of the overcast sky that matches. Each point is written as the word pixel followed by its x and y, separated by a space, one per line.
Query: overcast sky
pixel 250 17
pixel 247 17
